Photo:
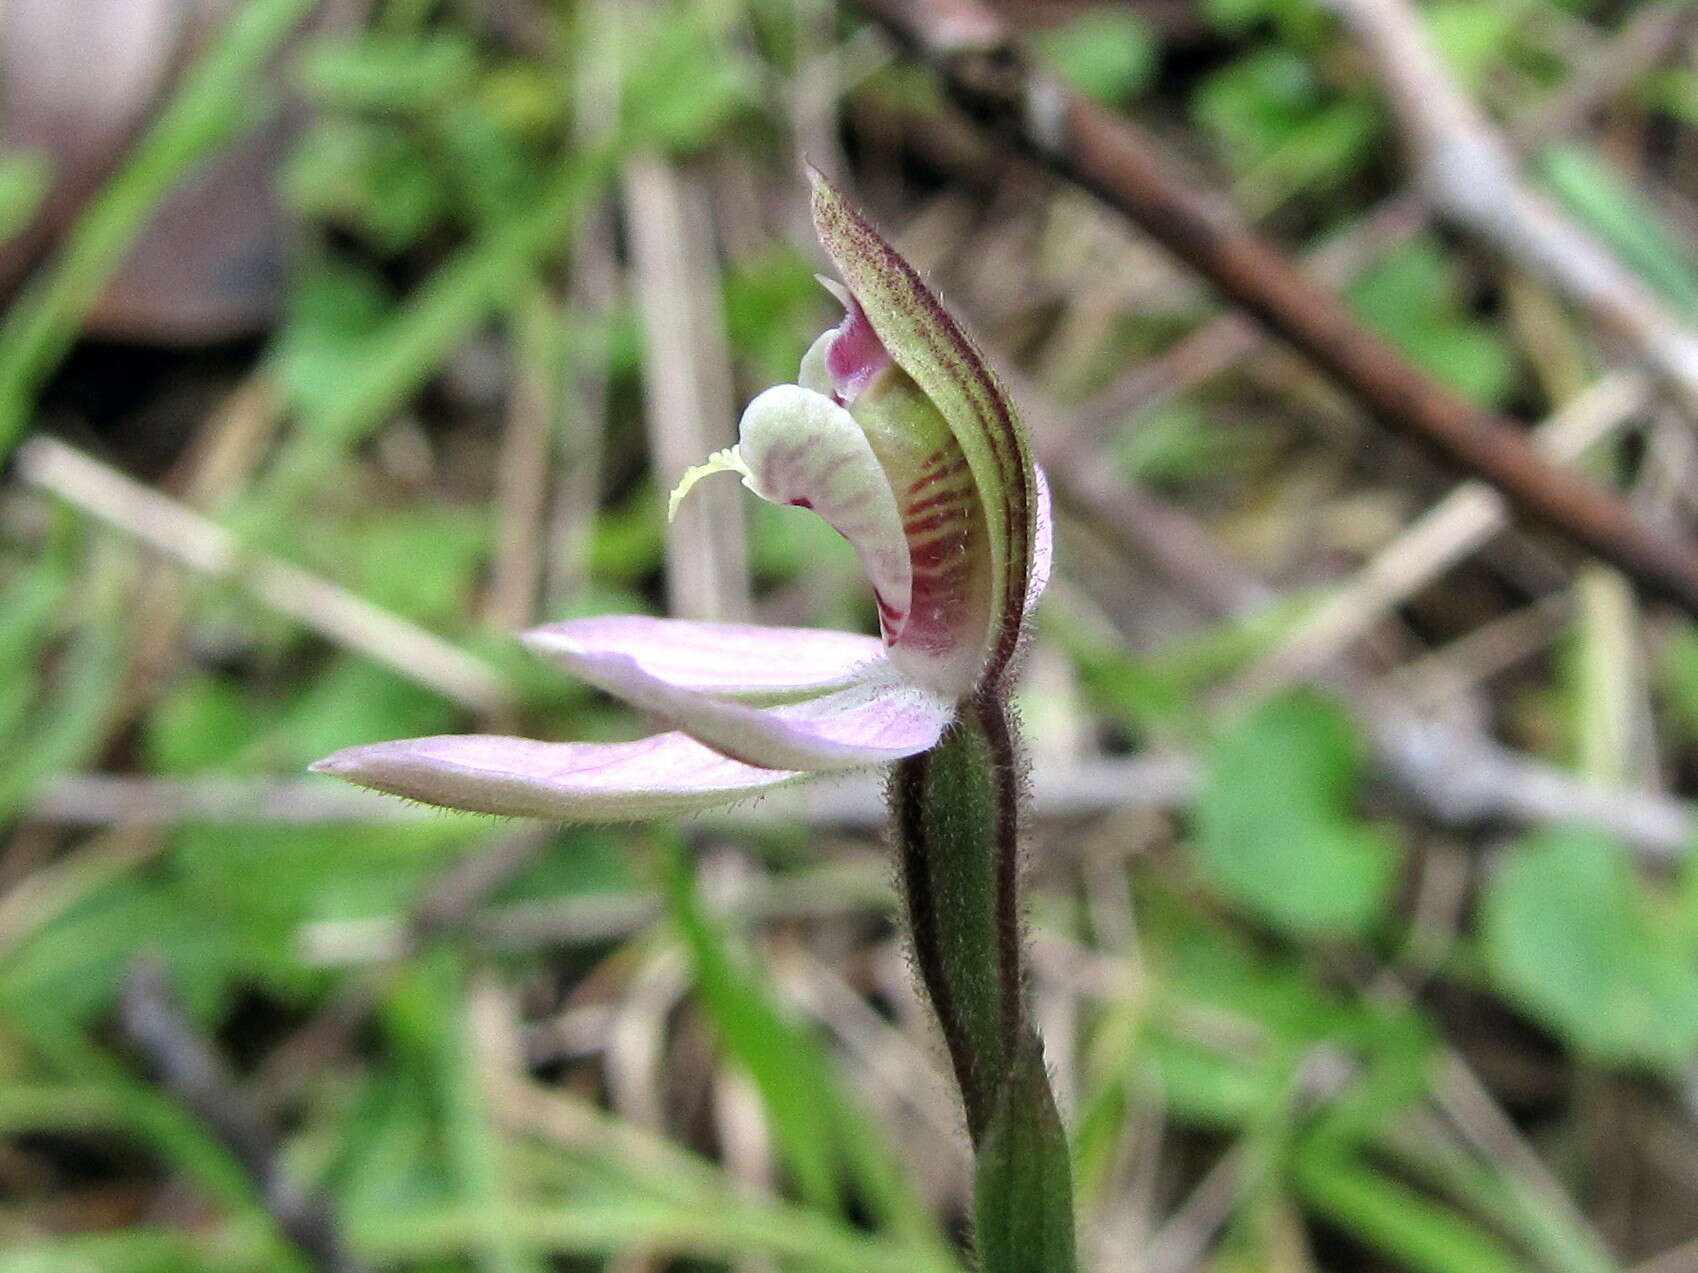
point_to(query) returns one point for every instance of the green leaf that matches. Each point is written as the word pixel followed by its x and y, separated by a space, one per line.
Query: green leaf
pixel 1675 91
pixel 481 1157
pixel 69 718
pixel 375 71
pixel 1273 826
pixel 1569 934
pixel 332 315
pixel 1254 105
pixel 766 1043
pixel 202 723
pixel 1109 52
pixel 1417 1233
pixel 420 562
pixel 1470 35
pixel 68 969
pixel 1231 17
pixel 132 1250
pixel 352 701
pixel 250 895
pixel 1176 441
pixel 367 176
pixel 773 309
pixel 359 384
pixel 684 82
pixel 1677 675
pixel 1627 222
pixel 1023 1185
pixel 1413 297
pixel 32 606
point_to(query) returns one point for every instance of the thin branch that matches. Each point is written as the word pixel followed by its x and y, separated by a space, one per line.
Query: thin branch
pixel 1464 780
pixel 1458 778
pixel 1471 176
pixel 1103 153
pixel 168 527
pixel 186 1064
pixel 522 464
pixel 1602 74
pixel 1610 70
pixel 1080 790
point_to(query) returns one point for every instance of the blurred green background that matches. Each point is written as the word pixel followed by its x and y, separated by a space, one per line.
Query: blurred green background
pixel 340 340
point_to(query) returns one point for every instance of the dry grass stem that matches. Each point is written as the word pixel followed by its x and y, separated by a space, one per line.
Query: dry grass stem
pixel 1446 534
pixel 688 402
pixel 333 612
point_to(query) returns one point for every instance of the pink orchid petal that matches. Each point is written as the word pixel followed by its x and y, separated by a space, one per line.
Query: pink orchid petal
pixel 842 361
pixel 735 659
pixel 1043 542
pixel 802 448
pixel 855 354
pixel 881 719
pixel 659 776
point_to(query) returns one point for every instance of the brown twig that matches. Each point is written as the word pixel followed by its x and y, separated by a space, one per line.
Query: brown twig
pixel 199 1077
pixel 1601 74
pixel 1456 776
pixel 987 72
pixel 1469 173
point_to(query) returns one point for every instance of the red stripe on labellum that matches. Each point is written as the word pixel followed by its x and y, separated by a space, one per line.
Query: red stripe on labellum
pixel 916 526
pixel 942 498
pixel 958 465
pixel 929 554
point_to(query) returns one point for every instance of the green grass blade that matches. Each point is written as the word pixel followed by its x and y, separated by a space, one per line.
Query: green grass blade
pixel 1417 1234
pixel 215 103
pixel 825 1142
pixel 471 287
pixel 477 1150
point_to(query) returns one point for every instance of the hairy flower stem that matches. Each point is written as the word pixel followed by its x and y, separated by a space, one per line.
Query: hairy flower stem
pixel 956 816
pixel 956 813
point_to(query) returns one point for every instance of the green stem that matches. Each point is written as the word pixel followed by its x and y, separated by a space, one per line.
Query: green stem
pixel 955 812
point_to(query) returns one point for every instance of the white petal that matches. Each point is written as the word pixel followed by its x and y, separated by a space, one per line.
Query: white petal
pixel 802 448
pixel 1043 544
pixel 814 374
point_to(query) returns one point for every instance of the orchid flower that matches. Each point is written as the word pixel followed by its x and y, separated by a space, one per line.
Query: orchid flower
pixel 902 439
